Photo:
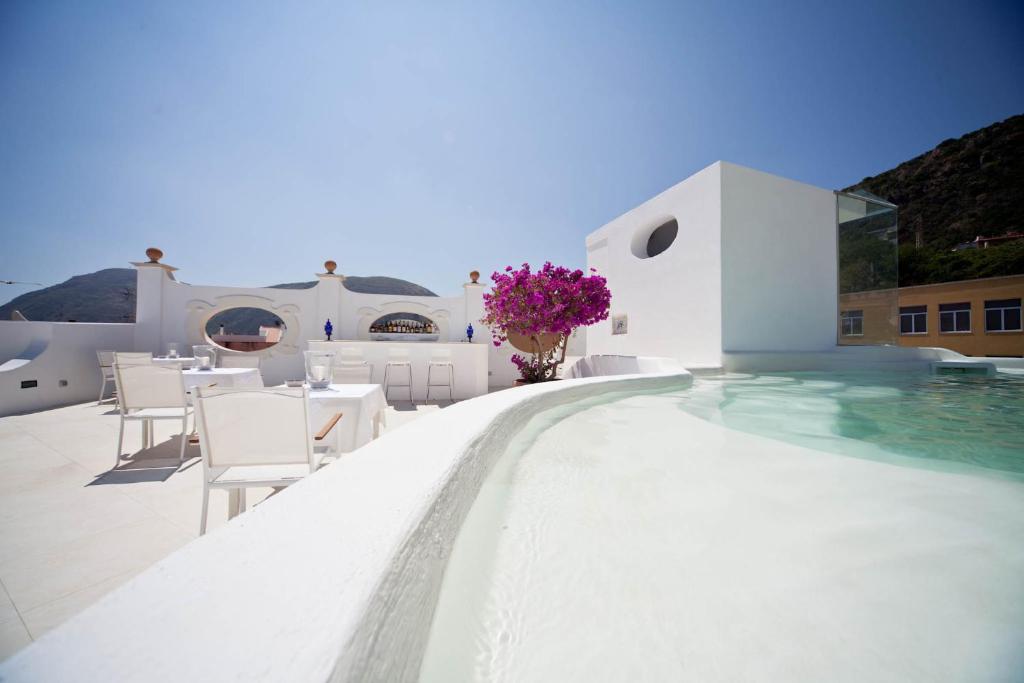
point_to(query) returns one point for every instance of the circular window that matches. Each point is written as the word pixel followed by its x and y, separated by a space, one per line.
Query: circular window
pixel 651 242
pixel 245 329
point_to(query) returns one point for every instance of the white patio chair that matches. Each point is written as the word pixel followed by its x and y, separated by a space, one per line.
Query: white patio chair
pixel 124 358
pixel 240 360
pixel 148 393
pixel 253 438
pixel 106 359
pixel 351 367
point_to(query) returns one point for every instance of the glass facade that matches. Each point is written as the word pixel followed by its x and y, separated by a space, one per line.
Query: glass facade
pixel 868 258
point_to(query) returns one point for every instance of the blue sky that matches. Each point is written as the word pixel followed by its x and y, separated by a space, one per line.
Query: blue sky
pixel 253 140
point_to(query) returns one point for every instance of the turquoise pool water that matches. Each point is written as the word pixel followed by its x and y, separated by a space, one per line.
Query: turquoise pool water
pixel 958 419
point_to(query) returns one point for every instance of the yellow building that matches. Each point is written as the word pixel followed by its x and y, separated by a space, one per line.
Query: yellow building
pixel 972 317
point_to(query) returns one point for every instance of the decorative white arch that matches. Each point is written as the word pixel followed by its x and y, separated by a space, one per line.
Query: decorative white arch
pixel 369 314
pixel 199 312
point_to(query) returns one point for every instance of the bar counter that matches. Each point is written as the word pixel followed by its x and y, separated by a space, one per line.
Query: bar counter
pixel 469 361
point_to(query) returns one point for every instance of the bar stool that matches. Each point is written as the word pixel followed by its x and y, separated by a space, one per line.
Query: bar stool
pixel 352 368
pixel 441 359
pixel 398 361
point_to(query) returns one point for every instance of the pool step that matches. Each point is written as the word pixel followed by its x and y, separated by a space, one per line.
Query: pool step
pixel 963 367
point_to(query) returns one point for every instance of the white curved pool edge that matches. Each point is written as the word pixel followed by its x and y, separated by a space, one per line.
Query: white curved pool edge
pixel 334 579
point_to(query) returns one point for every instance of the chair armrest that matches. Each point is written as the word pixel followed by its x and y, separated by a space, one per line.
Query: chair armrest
pixel 328 426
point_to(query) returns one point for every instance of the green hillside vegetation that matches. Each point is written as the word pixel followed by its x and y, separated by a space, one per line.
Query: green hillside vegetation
pixel 965 187
pixel 927 265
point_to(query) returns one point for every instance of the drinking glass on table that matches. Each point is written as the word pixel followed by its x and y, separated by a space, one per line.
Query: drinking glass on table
pixel 205 356
pixel 319 366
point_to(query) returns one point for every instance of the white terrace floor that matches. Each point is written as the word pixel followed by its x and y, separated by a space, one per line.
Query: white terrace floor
pixel 71 530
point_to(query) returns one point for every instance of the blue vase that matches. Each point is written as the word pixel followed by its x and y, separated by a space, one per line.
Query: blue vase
pixel 328 329
pixel 469 332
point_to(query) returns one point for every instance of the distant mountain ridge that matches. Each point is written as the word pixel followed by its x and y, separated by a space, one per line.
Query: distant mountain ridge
pixel 964 188
pixel 108 296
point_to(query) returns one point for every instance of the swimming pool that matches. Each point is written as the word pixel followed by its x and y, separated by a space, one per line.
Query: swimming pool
pixel 958 419
pixel 664 537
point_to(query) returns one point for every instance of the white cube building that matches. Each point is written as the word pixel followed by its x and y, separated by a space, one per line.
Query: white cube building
pixel 729 260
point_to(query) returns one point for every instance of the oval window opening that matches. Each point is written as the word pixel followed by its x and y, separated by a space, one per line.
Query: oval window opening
pixel 407 326
pixel 662 238
pixel 245 329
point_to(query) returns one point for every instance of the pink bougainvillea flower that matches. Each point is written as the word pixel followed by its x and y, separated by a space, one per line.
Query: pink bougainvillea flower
pixel 552 300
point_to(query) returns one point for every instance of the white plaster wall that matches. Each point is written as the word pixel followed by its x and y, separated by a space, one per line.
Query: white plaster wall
pixel 55 352
pixel 172 311
pixel 672 300
pixel 779 279
pixel 184 308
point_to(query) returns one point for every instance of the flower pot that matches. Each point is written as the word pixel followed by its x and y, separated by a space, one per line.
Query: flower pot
pixel 524 382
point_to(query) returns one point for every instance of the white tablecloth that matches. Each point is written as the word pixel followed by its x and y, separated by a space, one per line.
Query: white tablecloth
pixel 183 361
pixel 223 377
pixel 364 409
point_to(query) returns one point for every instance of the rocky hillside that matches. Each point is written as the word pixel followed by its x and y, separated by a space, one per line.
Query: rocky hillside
pixel 970 186
pixel 108 296
pixel 964 188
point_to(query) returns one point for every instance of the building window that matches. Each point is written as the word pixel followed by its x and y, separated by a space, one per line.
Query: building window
pixel 955 317
pixel 1002 315
pixel 852 323
pixel 913 320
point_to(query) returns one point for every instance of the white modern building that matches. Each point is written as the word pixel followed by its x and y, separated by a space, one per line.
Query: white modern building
pixel 729 260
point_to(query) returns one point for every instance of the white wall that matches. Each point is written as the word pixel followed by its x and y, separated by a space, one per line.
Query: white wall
pixel 172 311
pixel 55 352
pixel 779 279
pixel 672 300
pixel 752 268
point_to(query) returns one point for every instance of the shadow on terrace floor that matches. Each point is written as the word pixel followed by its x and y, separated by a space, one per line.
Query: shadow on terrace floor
pixel 150 464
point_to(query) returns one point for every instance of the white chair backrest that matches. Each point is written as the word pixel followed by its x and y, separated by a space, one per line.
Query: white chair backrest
pixel 150 386
pixel 440 354
pixel 254 426
pixel 350 355
pixel 239 360
pixel 124 358
pixel 106 358
pixel 352 373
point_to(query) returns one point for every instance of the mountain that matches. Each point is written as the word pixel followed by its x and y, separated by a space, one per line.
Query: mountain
pixel 371 284
pixel 108 296
pixel 964 188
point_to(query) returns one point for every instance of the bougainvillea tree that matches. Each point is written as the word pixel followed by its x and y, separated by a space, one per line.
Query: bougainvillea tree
pixel 542 309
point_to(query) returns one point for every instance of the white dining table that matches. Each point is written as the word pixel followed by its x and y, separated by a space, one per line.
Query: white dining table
pixel 183 361
pixel 223 377
pixel 363 408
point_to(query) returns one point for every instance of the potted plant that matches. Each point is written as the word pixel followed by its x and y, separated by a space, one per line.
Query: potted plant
pixel 536 312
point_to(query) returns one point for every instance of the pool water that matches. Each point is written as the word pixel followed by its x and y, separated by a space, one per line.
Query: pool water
pixel 638 539
pixel 963 419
